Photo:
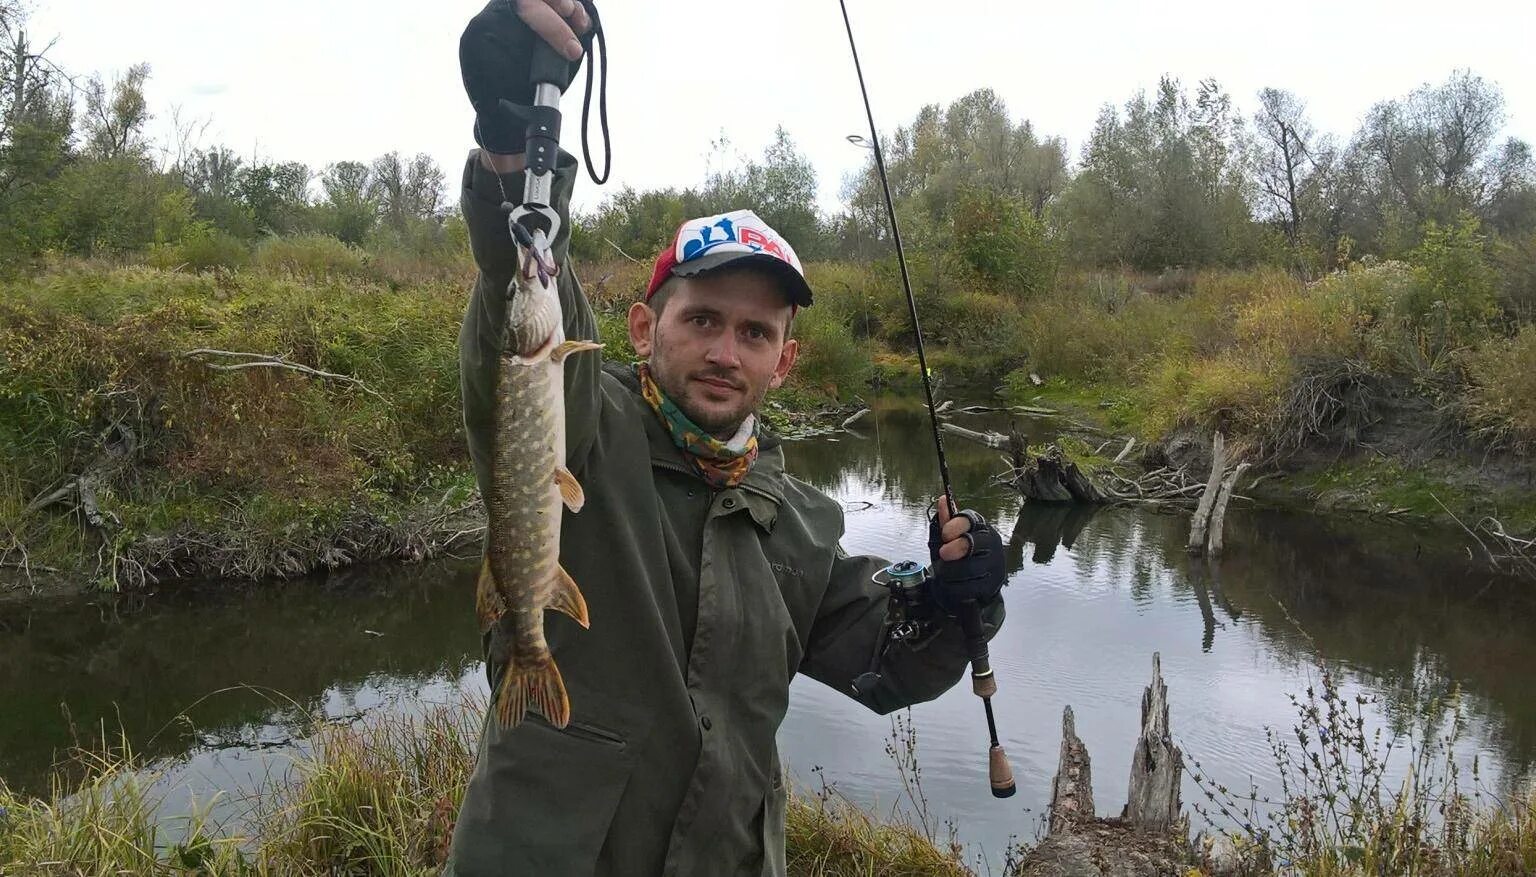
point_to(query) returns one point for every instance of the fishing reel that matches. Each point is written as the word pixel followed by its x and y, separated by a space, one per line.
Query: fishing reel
pixel 910 614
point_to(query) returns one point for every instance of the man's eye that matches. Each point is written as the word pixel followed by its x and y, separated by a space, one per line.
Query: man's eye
pixel 757 334
pixel 701 320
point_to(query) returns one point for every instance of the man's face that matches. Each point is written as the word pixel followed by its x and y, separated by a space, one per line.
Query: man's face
pixel 718 346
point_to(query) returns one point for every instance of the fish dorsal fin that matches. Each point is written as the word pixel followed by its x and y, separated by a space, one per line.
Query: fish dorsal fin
pixel 570 489
pixel 566 597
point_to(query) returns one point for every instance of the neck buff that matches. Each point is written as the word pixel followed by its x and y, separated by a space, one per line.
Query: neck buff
pixel 722 464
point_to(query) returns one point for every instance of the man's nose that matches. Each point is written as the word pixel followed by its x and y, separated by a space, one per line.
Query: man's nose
pixel 723 352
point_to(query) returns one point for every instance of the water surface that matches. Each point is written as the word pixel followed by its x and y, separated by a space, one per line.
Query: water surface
pixel 212 678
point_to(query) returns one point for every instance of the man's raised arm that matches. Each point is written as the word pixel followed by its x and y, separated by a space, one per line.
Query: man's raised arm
pixel 493 55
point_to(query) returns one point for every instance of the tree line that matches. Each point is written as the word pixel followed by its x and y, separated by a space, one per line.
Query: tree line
pixel 1177 177
pixel 80 175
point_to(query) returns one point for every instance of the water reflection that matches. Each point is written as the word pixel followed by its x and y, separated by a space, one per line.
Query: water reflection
pixel 68 668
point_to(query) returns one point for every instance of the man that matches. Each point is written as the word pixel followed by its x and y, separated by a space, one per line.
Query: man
pixel 711 576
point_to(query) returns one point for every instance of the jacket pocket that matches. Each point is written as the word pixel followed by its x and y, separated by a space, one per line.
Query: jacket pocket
pixel 540 800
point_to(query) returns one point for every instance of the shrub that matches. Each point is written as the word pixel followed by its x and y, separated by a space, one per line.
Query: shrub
pixel 1005 243
pixel 831 361
pixel 1501 398
pixel 1453 300
pixel 202 248
pixel 312 255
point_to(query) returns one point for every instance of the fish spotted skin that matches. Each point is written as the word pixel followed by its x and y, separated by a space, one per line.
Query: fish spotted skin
pixel 530 488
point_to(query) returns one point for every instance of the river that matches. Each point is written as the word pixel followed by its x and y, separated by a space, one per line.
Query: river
pixel 209 679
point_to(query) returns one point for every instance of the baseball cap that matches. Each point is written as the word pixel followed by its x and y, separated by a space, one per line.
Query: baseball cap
pixel 738 238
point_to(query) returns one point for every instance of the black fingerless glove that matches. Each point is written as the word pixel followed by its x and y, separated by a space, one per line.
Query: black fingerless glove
pixel 978 576
pixel 495 54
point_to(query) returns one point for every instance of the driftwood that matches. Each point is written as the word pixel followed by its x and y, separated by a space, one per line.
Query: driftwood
pixel 1219 513
pixel 1206 528
pixel 1202 519
pixel 990 439
pixel 855 418
pixel 1126 451
pixel 1150 839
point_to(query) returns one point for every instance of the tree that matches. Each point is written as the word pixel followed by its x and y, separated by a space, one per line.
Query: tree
pixel 348 210
pixel 275 195
pixel 1166 184
pixel 115 116
pixel 1291 162
pixel 406 191
pixel 1435 154
pixel 780 187
pixel 36 122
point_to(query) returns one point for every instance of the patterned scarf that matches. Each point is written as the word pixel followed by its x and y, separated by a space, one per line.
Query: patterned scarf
pixel 722 464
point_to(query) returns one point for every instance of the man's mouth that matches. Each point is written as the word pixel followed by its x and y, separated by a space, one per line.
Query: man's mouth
pixel 720 384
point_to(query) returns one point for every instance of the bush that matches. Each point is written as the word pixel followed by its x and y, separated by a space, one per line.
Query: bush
pixel 1453 301
pixel 831 360
pixel 202 248
pixel 1005 243
pixel 1501 398
pixel 317 256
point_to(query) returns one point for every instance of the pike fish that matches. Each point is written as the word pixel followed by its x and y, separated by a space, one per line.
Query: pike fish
pixel 530 486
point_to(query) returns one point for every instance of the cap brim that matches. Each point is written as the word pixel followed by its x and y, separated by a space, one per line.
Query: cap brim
pixel 792 282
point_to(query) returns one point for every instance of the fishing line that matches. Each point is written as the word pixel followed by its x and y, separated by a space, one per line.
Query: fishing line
pixel 901 259
pixel 983 680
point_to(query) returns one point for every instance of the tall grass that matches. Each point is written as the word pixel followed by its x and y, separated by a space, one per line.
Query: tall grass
pixel 102 817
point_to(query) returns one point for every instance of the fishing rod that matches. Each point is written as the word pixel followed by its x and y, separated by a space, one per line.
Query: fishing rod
pixel 901 576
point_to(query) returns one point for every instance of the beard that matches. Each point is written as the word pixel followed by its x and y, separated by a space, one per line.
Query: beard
pixel 718 419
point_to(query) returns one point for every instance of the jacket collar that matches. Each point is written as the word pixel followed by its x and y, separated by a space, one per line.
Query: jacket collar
pixel 764 481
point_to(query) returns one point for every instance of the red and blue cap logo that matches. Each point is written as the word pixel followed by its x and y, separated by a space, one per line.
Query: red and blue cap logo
pixel 739 238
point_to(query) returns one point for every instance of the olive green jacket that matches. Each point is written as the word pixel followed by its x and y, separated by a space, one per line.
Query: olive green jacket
pixel 704 604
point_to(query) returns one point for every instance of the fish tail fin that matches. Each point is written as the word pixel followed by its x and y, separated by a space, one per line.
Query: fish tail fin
pixel 539 688
pixel 567 598
pixel 488 603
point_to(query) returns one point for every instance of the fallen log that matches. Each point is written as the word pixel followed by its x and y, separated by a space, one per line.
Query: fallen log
pixel 990 439
pixel 855 418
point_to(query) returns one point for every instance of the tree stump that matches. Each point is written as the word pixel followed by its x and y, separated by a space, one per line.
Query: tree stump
pixel 1072 790
pixel 1151 839
pixel 1157 766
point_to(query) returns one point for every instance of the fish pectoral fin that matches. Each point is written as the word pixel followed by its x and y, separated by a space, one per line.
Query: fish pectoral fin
pixel 570 489
pixel 488 602
pixel 566 348
pixel 566 597
pixel 539 688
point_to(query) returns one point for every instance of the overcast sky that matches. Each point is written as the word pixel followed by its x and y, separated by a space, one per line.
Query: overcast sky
pixel 326 80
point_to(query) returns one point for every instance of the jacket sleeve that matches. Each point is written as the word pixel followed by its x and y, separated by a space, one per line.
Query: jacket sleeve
pixel 484 328
pixel 849 632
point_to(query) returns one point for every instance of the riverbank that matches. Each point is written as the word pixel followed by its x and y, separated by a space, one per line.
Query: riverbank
pixel 380 795
pixel 298 414
pixel 301 412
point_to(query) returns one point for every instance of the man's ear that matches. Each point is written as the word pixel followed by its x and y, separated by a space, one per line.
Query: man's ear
pixel 642 325
pixel 786 362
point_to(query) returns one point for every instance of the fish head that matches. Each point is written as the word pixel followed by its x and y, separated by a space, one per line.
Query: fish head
pixel 534 315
